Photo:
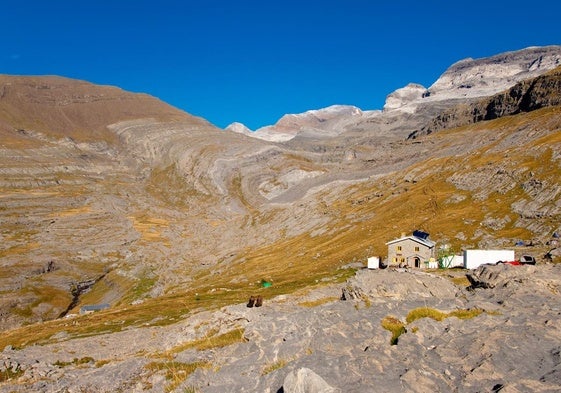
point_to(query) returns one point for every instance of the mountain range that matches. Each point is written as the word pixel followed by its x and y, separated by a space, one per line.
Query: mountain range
pixel 111 197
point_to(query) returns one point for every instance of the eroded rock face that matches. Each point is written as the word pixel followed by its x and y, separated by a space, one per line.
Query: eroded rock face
pixel 401 97
pixel 525 96
pixel 491 276
pixel 470 78
pixel 409 285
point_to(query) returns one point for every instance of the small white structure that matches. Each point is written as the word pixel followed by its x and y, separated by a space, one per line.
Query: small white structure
pixel 450 261
pixel 432 263
pixel 373 262
pixel 475 258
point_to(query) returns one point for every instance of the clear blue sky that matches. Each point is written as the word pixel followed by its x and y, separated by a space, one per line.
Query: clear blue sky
pixel 253 61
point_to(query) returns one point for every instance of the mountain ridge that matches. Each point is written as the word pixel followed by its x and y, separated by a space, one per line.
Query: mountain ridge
pixel 466 79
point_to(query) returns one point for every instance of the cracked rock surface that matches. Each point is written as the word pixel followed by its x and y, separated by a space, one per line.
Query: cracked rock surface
pixel 513 344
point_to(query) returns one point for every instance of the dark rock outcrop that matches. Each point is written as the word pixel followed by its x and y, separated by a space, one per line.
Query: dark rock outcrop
pixel 526 96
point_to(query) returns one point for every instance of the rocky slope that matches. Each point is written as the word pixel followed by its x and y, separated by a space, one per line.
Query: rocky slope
pixel 503 338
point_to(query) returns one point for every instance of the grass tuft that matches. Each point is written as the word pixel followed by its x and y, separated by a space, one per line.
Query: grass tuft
pixel 75 362
pixel 10 374
pixel 274 366
pixel 318 302
pixel 210 341
pixel 175 372
pixel 425 312
pixel 395 326
pixel 466 314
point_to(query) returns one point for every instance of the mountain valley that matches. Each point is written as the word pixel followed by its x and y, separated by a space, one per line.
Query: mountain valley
pixel 111 197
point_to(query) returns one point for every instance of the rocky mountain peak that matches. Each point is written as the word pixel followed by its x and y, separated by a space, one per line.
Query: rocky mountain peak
pixel 239 128
pixel 315 118
pixel 405 95
pixel 324 120
pixel 470 78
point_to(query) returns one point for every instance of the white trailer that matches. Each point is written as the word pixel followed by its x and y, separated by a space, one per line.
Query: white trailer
pixel 474 258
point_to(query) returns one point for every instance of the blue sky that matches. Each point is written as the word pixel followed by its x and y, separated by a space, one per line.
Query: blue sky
pixel 253 61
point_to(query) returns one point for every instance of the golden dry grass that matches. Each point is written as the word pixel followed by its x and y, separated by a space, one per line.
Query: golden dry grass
pixel 318 302
pixel 175 372
pixel 71 212
pixel 397 327
pixel 212 340
pixel 276 365
pixel 150 228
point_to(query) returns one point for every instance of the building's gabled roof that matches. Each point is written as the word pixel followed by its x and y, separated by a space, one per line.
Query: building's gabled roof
pixel 425 242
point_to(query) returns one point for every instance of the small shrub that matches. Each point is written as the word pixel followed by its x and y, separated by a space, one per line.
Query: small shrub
pixel 9 374
pixel 75 362
pixel 395 326
pixel 366 300
pixel 101 363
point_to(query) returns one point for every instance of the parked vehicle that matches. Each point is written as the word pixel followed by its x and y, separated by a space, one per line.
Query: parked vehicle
pixel 527 260
pixel 524 260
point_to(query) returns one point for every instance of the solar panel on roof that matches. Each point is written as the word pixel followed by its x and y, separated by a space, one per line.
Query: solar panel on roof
pixel 420 234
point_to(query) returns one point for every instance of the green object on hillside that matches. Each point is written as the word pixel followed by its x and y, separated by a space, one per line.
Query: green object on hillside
pixel 266 284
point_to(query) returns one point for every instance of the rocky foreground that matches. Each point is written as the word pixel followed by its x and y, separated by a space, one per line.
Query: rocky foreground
pixel 508 341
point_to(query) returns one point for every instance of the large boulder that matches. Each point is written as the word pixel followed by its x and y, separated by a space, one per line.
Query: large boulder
pixel 493 276
pixel 305 380
pixel 382 285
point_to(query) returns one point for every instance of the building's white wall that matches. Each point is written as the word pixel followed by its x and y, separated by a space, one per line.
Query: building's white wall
pixel 475 258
